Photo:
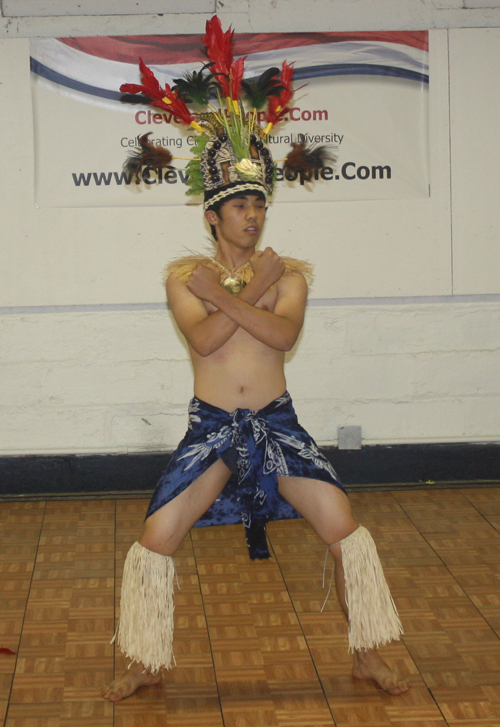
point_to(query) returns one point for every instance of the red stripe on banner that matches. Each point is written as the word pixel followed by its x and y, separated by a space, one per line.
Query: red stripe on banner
pixel 179 49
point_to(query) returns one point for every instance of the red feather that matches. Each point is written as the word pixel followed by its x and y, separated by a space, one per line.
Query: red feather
pixel 150 86
pixel 236 74
pixel 152 89
pixel 278 105
pixel 286 77
pixel 132 88
pixel 220 52
pixel 177 106
pixel 5 650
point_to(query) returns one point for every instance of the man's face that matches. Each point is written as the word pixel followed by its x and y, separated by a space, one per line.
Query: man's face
pixel 241 220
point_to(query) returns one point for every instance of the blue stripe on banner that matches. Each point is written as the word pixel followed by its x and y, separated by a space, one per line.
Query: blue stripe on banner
pixel 45 72
pixel 342 69
pixel 350 69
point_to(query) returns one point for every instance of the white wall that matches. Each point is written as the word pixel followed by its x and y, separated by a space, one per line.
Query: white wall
pixel 475 169
pixel 118 381
pixel 403 337
pixel 251 15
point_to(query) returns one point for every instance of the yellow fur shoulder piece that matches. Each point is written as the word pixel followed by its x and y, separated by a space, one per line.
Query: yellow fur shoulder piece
pixel 184 266
pixel 299 266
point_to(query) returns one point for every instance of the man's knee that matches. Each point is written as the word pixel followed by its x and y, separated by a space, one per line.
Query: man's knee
pixel 335 547
pixel 162 540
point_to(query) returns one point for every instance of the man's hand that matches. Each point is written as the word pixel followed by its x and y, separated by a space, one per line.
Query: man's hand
pixel 207 332
pixel 267 266
pixel 204 281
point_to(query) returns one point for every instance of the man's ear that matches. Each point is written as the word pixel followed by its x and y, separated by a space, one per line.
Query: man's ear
pixel 211 217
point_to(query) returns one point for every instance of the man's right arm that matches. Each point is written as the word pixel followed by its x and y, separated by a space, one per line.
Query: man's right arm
pixel 207 332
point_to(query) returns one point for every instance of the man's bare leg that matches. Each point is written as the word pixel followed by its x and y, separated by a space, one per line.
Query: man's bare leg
pixel 367 664
pixel 163 532
pixel 328 511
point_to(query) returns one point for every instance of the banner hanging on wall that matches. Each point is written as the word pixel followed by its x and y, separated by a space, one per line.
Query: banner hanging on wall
pixel 364 95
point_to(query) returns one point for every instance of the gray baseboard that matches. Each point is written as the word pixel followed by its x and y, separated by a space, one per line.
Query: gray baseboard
pixel 133 475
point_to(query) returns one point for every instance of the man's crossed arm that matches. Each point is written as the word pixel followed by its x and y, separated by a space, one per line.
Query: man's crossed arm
pixel 207 333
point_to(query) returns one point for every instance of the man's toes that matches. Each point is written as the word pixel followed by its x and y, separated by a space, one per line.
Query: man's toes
pixel 117 693
pixel 112 692
pixel 115 696
pixel 395 690
pixel 398 688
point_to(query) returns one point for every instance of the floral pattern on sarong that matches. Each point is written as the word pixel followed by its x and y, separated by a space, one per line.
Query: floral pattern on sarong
pixel 269 443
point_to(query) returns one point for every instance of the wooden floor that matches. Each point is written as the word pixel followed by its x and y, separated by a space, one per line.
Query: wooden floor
pixel 252 648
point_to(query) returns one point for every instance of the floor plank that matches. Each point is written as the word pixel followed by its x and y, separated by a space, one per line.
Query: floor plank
pixel 253 648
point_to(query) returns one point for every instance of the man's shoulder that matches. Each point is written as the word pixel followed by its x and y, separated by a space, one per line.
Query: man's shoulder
pixel 298 267
pixel 183 267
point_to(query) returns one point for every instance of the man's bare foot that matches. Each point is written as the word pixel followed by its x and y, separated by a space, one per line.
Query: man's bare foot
pixel 370 665
pixel 129 682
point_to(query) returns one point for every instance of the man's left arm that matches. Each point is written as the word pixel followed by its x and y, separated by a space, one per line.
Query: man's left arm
pixel 278 329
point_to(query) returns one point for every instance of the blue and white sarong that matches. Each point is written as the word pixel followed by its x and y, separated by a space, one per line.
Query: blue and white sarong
pixel 263 444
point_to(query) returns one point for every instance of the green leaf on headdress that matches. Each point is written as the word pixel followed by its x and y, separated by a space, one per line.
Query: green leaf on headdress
pixel 275 176
pixel 258 90
pixel 200 143
pixel 193 167
pixel 195 178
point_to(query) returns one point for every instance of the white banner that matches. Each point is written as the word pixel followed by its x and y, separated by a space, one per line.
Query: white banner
pixel 364 95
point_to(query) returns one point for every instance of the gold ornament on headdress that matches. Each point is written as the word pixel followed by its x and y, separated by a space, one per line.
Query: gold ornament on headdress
pixel 230 150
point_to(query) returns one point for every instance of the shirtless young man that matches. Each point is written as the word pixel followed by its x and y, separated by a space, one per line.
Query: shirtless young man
pixel 237 345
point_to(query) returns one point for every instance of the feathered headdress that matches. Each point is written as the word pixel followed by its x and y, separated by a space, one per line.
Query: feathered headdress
pixel 230 150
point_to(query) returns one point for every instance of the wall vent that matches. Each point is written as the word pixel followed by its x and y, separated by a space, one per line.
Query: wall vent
pixel 349 438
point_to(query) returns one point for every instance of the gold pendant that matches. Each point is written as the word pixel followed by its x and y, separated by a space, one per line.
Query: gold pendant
pixel 234 285
pixel 231 282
